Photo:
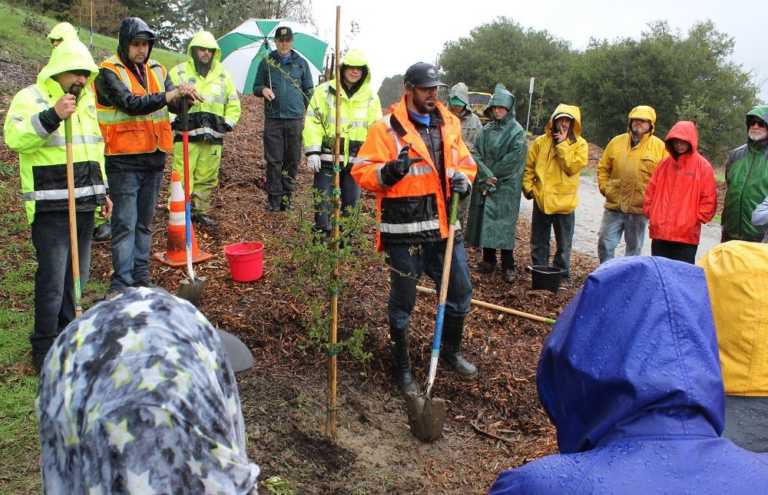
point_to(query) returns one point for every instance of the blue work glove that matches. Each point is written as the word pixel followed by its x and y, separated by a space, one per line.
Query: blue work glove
pixel 460 184
pixel 394 170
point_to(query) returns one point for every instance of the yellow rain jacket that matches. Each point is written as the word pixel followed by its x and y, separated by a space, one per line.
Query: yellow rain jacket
pixel 737 278
pixel 552 171
pixel 62 31
pixel 42 152
pixel 625 170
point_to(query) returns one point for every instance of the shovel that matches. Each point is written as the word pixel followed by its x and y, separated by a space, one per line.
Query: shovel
pixel 191 288
pixel 71 208
pixel 426 415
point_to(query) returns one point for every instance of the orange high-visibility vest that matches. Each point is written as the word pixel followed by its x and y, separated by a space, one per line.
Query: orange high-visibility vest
pixel 135 134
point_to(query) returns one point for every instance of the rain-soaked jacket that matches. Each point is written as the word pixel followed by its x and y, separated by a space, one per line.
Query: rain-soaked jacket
pixel 358 112
pixel 218 114
pixel 552 172
pixel 471 125
pixel 136 397
pixel 682 193
pixel 500 152
pixel 737 279
pixel 34 130
pixel 413 210
pixel 131 105
pixel 746 173
pixel 645 420
pixel 624 170
pixel 290 81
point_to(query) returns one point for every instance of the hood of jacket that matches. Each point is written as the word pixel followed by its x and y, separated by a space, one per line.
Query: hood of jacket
pixel 684 130
pixel 501 97
pixel 130 27
pixel 460 91
pixel 737 278
pixel 205 39
pixel 603 372
pixel 760 111
pixel 61 31
pixel 572 111
pixel 642 112
pixel 71 54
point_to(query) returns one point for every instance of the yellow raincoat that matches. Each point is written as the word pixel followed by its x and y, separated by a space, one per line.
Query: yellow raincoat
pixel 552 171
pixel 625 170
pixel 737 278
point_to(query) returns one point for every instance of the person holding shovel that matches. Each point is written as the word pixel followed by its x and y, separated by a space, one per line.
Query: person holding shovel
pixel 133 93
pixel 209 120
pixel 34 127
pixel 500 153
pixel 414 160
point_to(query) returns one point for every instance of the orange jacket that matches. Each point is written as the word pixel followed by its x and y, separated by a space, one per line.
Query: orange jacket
pixel 414 208
pixel 126 134
pixel 682 193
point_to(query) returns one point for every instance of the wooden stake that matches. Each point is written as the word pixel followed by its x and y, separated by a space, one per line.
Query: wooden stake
pixel 330 426
pixel 72 215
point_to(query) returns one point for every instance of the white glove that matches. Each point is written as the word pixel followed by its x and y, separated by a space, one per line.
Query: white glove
pixel 313 163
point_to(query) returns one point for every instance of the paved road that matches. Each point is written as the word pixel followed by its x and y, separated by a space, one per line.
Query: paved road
pixel 590 213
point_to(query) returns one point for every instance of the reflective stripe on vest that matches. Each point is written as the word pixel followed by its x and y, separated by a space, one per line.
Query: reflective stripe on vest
pixel 136 134
pixel 58 194
pixel 409 228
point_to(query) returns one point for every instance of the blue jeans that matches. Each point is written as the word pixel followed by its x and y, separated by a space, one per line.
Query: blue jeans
pixel 615 223
pixel 54 290
pixel 323 188
pixel 541 229
pixel 134 195
pixel 408 261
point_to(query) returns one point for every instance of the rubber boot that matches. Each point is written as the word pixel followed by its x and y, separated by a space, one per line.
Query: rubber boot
pixel 402 363
pixel 453 331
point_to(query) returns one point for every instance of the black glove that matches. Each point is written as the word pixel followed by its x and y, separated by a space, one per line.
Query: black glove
pixel 394 170
pixel 460 184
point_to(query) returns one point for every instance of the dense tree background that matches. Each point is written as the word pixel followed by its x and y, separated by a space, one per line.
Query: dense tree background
pixel 683 76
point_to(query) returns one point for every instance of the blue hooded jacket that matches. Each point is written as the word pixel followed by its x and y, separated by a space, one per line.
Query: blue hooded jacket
pixel 630 377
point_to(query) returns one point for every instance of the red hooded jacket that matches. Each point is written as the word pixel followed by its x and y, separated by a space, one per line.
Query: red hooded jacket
pixel 682 193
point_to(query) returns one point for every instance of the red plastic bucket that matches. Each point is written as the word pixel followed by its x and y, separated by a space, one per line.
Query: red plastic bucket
pixel 246 261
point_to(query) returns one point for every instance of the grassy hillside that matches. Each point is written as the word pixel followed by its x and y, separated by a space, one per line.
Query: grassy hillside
pixel 23 38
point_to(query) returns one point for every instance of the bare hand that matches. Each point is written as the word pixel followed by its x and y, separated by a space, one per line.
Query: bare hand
pixel 106 209
pixel 190 92
pixel 268 94
pixel 171 95
pixel 559 136
pixel 66 106
pixel 491 181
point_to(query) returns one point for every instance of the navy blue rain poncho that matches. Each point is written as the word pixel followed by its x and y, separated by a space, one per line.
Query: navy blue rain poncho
pixel 137 398
pixel 631 379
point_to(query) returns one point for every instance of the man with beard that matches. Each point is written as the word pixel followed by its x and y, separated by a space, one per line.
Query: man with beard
pixel 623 173
pixel 414 160
pixel 133 92
pixel 359 109
pixel 34 127
pixel 209 120
pixel 746 174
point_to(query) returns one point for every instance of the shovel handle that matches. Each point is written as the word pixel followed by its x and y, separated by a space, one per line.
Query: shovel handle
pixel 443 292
pixel 187 202
pixel 72 215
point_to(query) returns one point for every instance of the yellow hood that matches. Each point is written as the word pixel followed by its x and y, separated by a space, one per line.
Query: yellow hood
pixel 643 112
pixel 204 39
pixel 61 31
pixel 570 110
pixel 71 54
pixel 737 278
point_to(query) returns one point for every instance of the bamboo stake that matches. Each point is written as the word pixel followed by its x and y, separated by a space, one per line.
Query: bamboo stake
pixel 331 415
pixel 487 305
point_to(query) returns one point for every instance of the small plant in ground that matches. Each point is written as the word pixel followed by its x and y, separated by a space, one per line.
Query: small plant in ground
pixel 310 276
pixel 276 485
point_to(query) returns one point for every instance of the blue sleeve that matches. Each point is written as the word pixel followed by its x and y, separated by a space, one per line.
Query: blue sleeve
pixel 306 81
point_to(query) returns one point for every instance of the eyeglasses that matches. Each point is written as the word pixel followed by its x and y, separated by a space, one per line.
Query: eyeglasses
pixel 759 123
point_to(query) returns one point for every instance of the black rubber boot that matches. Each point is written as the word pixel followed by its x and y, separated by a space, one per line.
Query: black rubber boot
pixel 452 334
pixel 102 233
pixel 402 363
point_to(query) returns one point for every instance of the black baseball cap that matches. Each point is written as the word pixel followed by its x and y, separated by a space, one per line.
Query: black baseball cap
pixel 284 33
pixel 423 75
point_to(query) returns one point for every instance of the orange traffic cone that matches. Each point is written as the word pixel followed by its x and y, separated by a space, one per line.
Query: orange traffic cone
pixel 176 254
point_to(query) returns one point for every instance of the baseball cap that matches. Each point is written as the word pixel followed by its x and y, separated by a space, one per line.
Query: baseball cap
pixel 423 75
pixel 284 33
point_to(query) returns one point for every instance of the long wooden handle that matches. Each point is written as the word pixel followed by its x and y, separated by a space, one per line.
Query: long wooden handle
pixel 495 307
pixel 72 215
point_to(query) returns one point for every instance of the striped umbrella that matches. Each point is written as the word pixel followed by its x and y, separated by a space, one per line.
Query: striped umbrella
pixel 245 46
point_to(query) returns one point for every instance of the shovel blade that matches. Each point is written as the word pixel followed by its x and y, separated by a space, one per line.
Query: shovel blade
pixel 192 290
pixel 426 416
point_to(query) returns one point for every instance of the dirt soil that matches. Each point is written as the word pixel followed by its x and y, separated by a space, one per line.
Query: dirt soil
pixel 495 422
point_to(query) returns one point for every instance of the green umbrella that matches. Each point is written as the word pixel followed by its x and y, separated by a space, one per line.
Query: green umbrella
pixel 243 48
